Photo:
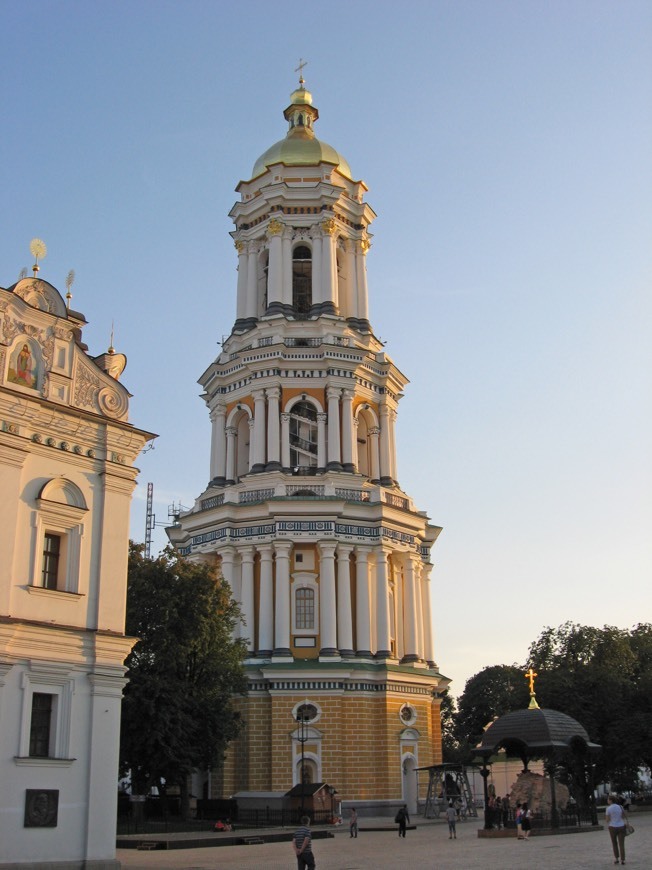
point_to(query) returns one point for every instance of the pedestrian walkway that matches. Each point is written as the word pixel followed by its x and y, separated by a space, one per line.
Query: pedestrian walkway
pixel 426 848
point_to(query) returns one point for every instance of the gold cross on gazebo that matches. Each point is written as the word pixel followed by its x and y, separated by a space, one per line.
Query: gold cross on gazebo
pixel 530 675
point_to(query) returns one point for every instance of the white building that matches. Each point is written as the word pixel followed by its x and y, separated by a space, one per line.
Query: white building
pixel 66 480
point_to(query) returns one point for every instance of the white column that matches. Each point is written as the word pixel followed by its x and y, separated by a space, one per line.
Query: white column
pixel 252 441
pixel 327 598
pixel 286 294
pixel 259 431
pixel 275 265
pixel 273 429
pixel 392 443
pixel 329 264
pixel 266 603
pixel 348 453
pixel 321 440
pixel 385 461
pixel 429 647
pixel 344 615
pixel 382 603
pixel 247 597
pixel 282 636
pixel 361 279
pixel 362 603
pixel 334 456
pixel 409 611
pixel 349 307
pixel 374 452
pixel 316 266
pixel 231 432
pixel 285 440
pixel 241 305
pixel 218 443
pixel 252 279
pixel 227 557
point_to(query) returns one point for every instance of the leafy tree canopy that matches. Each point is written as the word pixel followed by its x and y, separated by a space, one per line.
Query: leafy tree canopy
pixel 177 712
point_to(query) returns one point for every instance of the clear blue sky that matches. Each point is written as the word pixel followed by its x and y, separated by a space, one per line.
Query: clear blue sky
pixel 507 147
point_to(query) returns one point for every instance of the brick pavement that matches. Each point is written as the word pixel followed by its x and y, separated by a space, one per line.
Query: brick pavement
pixel 427 848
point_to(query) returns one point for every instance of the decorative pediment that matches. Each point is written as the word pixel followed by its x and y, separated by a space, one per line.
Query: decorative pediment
pixel 41 295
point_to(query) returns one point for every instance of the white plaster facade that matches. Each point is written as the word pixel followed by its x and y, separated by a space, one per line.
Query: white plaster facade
pixel 66 478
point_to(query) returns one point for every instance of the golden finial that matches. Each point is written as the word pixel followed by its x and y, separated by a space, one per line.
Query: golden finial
pixel 70 280
pixel 111 348
pixel 530 675
pixel 38 249
pixel 299 69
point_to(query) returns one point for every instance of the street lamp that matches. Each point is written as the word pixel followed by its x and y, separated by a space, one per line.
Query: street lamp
pixel 301 719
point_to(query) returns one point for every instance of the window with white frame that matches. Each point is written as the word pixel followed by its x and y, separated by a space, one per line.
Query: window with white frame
pixel 58 531
pixel 46 712
pixel 305 604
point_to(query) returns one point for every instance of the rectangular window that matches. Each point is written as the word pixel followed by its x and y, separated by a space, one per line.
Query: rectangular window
pixel 40 730
pixel 305 608
pixel 51 557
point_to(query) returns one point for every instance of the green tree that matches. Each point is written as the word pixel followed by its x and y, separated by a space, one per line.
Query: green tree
pixel 493 691
pixel 178 712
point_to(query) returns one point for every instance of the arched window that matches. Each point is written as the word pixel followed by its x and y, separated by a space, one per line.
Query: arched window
pixel 301 279
pixel 303 435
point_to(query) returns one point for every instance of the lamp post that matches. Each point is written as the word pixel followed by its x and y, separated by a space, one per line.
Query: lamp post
pixel 484 773
pixel 301 719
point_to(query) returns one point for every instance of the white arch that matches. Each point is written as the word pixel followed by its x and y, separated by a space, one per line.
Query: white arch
pixel 63 491
pixel 303 397
pixel 236 411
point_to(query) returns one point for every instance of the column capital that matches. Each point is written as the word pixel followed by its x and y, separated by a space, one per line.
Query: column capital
pixel 247 554
pixel 327 548
pixel 333 392
pixel 274 227
pixel 273 392
pixel 329 227
pixel 344 550
pixel 322 417
pixel 240 246
pixel 282 548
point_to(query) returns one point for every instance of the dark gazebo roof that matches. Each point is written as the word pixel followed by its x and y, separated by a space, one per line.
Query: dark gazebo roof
pixel 535 732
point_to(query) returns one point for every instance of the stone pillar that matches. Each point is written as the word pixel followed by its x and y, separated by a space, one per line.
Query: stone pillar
pixel 327 598
pixel 287 268
pixel 329 267
pixel 259 431
pixel 334 457
pixel 409 611
pixel 218 445
pixel 348 452
pixel 385 459
pixel 285 441
pixel 428 644
pixel 316 266
pixel 231 433
pixel 362 603
pixel 344 624
pixel 321 440
pixel 252 280
pixel 282 635
pixel 391 418
pixel 247 597
pixel 374 453
pixel 383 650
pixel 361 279
pixel 241 304
pixel 273 429
pixel 227 557
pixel 349 307
pixel 275 267
pixel 266 603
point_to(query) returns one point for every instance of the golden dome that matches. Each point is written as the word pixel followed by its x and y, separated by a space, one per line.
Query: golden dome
pixel 300 146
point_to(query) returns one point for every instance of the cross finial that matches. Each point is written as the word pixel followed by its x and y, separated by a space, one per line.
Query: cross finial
pixel 299 69
pixel 530 675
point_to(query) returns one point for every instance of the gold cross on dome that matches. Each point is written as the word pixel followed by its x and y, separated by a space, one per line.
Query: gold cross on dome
pixel 530 675
pixel 299 69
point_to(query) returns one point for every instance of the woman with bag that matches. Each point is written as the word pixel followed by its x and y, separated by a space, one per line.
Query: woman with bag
pixel 526 825
pixel 617 823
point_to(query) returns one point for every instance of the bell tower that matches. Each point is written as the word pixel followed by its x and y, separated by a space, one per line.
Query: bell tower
pixel 327 555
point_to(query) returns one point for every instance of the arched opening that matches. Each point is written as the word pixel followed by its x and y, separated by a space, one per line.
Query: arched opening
pixel 242 445
pixel 303 435
pixel 363 445
pixel 302 279
pixel 263 275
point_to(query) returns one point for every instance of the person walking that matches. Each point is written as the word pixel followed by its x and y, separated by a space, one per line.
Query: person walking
pixel 302 844
pixel 616 822
pixel 518 818
pixel 451 815
pixel 353 823
pixel 526 824
pixel 403 819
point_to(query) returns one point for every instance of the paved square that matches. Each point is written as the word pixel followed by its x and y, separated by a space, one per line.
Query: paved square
pixel 428 847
